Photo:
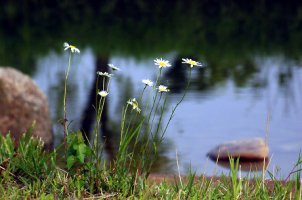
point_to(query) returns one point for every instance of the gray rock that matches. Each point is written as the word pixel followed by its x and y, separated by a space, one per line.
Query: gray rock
pixel 247 150
pixel 21 103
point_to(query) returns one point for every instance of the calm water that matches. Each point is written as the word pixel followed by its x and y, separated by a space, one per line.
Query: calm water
pixel 205 118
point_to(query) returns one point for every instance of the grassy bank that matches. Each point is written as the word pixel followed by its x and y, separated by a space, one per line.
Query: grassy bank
pixel 28 172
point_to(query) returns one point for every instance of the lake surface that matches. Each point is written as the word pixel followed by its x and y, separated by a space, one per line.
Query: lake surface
pixel 205 119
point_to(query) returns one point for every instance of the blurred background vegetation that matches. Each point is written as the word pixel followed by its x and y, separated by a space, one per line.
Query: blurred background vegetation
pixel 219 30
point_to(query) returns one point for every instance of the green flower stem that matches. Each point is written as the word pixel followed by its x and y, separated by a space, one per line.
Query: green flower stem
pixel 160 119
pixel 96 94
pixel 129 130
pixel 146 108
pixel 156 141
pixel 149 100
pixel 142 94
pixel 154 99
pixel 121 151
pixel 128 126
pixel 155 111
pixel 174 109
pixel 123 122
pixel 64 103
pixel 158 78
pixel 99 110
pixel 137 135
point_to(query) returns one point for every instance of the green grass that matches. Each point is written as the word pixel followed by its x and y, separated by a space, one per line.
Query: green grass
pixel 30 172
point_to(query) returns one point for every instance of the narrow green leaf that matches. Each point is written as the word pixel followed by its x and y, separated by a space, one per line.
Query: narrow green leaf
pixel 81 152
pixel 70 161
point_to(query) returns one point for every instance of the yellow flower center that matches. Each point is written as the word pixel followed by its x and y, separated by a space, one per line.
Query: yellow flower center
pixel 192 62
pixel 162 63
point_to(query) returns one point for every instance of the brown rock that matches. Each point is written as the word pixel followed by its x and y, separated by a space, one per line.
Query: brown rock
pixel 247 150
pixel 21 103
pixel 247 165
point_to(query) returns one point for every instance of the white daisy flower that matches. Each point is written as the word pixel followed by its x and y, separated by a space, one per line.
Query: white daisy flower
pixel 113 67
pixel 134 105
pixel 162 63
pixel 103 93
pixel 163 88
pixel 147 82
pixel 191 62
pixel 72 48
pixel 104 74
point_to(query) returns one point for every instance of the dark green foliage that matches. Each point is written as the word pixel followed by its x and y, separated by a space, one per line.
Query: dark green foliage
pixel 222 30
pixel 77 149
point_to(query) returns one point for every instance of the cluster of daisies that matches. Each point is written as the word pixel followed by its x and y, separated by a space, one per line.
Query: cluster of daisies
pixel 161 63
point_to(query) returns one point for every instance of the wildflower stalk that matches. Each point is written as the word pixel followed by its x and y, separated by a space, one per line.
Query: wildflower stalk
pixel 130 132
pixel 123 122
pixel 72 49
pixel 156 141
pixel 154 99
pixel 99 115
pixel 160 119
pixel 158 78
pixel 142 94
pixel 185 93
pixel 149 125
pixel 64 102
pixel 157 105
pixel 134 133
pixel 124 140
pixel 99 111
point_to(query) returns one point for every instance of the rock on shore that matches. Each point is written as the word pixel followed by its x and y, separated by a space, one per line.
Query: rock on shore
pixel 21 103
pixel 253 149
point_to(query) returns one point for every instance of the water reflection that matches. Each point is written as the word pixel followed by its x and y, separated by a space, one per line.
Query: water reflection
pixel 252 52
pixel 206 118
